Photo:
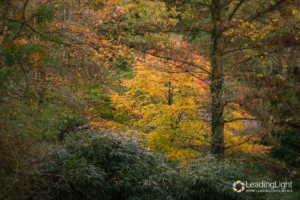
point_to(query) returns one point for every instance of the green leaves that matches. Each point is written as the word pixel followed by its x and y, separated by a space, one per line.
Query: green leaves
pixel 107 165
pixel 43 13
pixel 100 165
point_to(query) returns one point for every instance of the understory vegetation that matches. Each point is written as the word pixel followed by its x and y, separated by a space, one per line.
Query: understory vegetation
pixel 142 100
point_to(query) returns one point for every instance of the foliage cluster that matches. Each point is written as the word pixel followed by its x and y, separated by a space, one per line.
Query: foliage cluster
pixel 199 69
pixel 108 165
pixel 52 55
pixel 176 105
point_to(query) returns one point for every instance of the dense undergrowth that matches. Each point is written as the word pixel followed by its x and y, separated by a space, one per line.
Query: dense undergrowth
pixel 93 164
pixel 84 114
pixel 103 164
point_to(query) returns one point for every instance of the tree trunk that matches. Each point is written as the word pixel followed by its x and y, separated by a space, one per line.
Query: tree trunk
pixel 217 79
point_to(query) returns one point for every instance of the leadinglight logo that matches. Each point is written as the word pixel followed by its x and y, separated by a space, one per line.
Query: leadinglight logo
pixel 238 184
pixel 263 186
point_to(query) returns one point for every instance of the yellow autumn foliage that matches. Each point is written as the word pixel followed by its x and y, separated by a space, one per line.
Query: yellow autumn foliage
pixel 176 106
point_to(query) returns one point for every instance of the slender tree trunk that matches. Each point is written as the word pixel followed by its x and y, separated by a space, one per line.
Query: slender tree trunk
pixel 217 79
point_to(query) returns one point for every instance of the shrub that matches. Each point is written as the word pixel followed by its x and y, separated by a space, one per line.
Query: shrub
pixel 106 165
pixel 99 166
pixel 288 150
pixel 203 178
pixel 67 125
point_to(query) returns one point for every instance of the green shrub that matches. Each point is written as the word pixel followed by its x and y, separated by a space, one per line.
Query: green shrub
pixel 67 125
pixel 203 178
pixel 107 165
pixel 99 166
pixel 288 150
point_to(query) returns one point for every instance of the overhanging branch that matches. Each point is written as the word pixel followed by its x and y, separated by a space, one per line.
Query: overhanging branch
pixel 235 9
pixel 272 7
pixel 199 3
pixel 239 144
pixel 238 119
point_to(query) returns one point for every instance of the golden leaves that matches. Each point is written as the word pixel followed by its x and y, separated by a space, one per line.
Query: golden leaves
pixel 294 11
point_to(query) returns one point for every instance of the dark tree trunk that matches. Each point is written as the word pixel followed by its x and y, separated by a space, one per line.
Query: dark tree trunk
pixel 217 79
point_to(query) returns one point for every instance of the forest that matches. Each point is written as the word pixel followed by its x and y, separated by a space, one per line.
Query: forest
pixel 150 99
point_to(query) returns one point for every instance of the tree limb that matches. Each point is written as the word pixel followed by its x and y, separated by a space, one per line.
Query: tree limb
pixel 272 7
pixel 235 9
pixel 199 3
pixel 247 140
pixel 238 119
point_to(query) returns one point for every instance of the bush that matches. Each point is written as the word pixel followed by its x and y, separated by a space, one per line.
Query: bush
pixel 99 166
pixel 107 165
pixel 67 125
pixel 203 178
pixel 288 150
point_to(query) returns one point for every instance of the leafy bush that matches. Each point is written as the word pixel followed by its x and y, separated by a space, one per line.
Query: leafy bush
pixel 288 150
pixel 69 124
pixel 99 166
pixel 203 178
pixel 107 165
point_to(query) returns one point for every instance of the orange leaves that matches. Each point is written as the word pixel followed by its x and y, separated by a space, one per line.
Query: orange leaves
pixel 35 56
pixel 164 95
pixel 174 102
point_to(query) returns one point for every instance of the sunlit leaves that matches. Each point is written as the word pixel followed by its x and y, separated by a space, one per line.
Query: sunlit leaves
pixel 175 105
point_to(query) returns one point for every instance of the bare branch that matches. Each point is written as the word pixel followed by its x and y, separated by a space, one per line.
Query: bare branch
pixel 239 144
pixel 199 3
pixel 13 20
pixel 186 70
pixel 235 9
pixel 272 7
pixel 238 119
pixel 226 2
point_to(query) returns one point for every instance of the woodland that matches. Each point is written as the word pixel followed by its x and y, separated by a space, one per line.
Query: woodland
pixel 149 99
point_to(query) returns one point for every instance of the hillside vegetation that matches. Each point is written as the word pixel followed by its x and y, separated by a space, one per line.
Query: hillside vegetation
pixel 127 100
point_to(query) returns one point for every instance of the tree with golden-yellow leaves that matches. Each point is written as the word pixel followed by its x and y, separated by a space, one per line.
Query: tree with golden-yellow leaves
pixel 171 106
pixel 250 45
